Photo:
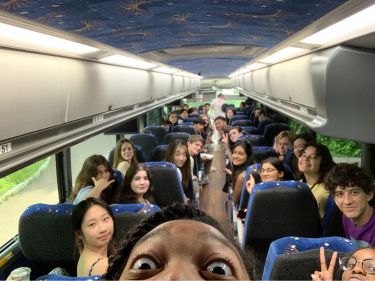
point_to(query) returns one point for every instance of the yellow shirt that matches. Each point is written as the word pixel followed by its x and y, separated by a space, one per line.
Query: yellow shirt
pixel 321 194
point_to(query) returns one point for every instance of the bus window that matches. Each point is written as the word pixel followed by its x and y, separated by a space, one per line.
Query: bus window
pixel 35 183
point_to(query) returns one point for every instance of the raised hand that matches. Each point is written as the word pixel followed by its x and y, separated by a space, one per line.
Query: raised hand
pixel 102 183
pixel 325 274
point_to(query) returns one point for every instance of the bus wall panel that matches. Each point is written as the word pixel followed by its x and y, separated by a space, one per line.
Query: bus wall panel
pixel 261 83
pixel 248 81
pixel 292 81
pixel 347 75
pixel 95 88
pixel 32 96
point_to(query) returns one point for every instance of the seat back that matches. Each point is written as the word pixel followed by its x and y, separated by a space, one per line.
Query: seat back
pixel 138 150
pixel 332 222
pixel 241 122
pixel 158 153
pixel 254 139
pixel 238 117
pixel 278 209
pixel 284 254
pixel 190 119
pixel 167 186
pixel 185 129
pixel 176 136
pixel 272 130
pixel 250 130
pixel 147 141
pixel 263 124
pixel 158 131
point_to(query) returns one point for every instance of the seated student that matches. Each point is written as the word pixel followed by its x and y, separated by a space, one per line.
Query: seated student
pixel 352 188
pixel 272 169
pixel 96 179
pixel 170 122
pixel 198 124
pixel 93 228
pixel 178 154
pixel 229 113
pixel 136 187
pixel 207 107
pixel 182 116
pixel 207 128
pixel 195 144
pixel 231 138
pixel 185 106
pixel 220 125
pixel 193 110
pixel 241 158
pixel 358 266
pixel 283 143
pixel 179 243
pixel 314 164
pixel 300 142
pixel 242 106
pixel 124 156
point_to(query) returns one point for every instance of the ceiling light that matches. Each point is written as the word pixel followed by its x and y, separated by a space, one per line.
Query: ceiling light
pixel 127 61
pixel 354 26
pixel 284 54
pixel 165 69
pixel 21 38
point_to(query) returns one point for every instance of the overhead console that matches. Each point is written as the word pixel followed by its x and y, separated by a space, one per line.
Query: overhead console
pixel 331 91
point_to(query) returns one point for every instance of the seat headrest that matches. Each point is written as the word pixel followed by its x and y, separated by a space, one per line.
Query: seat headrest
pixel 292 244
pixel 279 209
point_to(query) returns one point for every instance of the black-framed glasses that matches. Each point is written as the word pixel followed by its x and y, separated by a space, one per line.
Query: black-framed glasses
pixel 348 263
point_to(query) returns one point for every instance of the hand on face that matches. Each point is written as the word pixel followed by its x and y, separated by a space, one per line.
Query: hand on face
pixel 102 183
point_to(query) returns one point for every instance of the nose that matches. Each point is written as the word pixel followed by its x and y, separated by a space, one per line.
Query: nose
pixel 347 199
pixel 358 269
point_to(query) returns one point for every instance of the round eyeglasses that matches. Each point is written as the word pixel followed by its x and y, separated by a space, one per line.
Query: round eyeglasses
pixel 348 263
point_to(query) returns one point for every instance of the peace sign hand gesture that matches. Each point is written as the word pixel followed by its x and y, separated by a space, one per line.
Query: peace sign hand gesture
pixel 325 274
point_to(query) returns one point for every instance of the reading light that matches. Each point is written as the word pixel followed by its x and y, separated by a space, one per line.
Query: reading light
pixel 17 37
pixel 127 61
pixel 165 69
pixel 284 54
pixel 354 26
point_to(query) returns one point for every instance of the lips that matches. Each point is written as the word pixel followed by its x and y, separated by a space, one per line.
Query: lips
pixel 104 237
pixel 356 278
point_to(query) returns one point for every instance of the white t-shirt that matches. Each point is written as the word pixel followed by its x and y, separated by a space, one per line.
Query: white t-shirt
pixel 216 104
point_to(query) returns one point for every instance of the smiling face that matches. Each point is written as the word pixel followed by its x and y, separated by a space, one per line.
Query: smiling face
pixel 270 173
pixel 298 146
pixel 357 273
pixel 353 203
pixel 234 134
pixel 172 118
pixel 140 183
pixel 127 152
pixel 239 156
pixel 184 250
pixel 309 161
pixel 230 113
pixel 180 156
pixel 96 228
pixel 195 147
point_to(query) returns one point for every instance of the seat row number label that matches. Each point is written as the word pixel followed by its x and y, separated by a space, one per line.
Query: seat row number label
pixel 5 148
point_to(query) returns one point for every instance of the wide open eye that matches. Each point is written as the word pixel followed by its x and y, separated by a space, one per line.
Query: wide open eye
pixel 144 263
pixel 220 268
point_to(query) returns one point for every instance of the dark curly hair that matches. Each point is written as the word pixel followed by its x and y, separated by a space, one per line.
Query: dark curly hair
pixel 118 261
pixel 344 174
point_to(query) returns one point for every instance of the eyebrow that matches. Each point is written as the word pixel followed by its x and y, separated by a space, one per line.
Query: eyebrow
pixel 205 236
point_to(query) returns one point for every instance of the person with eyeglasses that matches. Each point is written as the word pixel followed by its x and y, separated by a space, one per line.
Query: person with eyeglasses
pixel 314 163
pixel 272 169
pixel 359 266
pixel 352 188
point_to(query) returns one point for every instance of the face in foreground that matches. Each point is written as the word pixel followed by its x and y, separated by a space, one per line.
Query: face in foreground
pixel 358 273
pixel 184 250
